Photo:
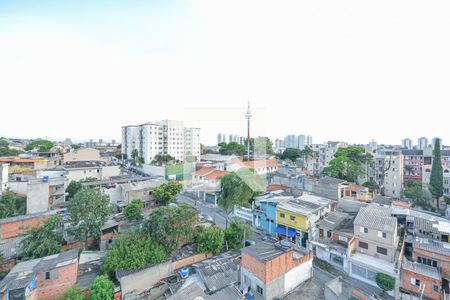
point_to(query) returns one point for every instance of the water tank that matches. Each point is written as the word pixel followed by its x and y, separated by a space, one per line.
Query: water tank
pixel 45 179
pixel 285 245
pixel 184 273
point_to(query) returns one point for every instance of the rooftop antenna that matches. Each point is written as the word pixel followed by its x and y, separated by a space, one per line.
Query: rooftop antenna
pixel 248 116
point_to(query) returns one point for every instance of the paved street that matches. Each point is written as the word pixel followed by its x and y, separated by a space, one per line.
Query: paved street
pixel 215 212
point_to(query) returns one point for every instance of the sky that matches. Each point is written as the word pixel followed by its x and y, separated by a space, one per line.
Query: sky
pixel 351 70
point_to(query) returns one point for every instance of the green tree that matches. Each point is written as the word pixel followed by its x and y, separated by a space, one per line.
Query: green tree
pixel 307 152
pixel 73 293
pixel 44 240
pixel 190 159
pixel 39 146
pixel 5 150
pixel 292 154
pixel 166 192
pixel 76 146
pixel 372 185
pixel 133 211
pixel 11 205
pixel 162 159
pixel 210 240
pixel 437 176
pixel 385 282
pixel 136 159
pixel 88 210
pixel 235 190
pixel 236 234
pixel 73 188
pixel 132 251
pixel 171 226
pixel 261 146
pixel 348 163
pixel 232 148
pixel 414 190
pixel 101 289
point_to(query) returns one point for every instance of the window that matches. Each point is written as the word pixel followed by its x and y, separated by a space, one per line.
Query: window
pixel 292 218
pixel 363 245
pixel 381 234
pixel 427 261
pixel 382 250
pixel 47 275
pixel 363 230
pixel 435 288
pixel 282 215
pixel 259 290
pixel 417 283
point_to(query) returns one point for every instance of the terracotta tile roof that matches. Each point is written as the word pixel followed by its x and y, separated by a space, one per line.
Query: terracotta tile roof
pixel 216 174
pixel 16 159
pixel 204 171
pixel 276 187
pixel 256 164
pixel 401 203
pixel 357 188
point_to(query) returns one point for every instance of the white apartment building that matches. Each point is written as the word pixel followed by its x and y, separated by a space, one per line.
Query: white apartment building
pixel 389 171
pixel 322 155
pixel 165 137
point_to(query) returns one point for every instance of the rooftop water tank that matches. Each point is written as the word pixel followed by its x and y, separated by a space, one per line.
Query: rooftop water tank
pixel 184 273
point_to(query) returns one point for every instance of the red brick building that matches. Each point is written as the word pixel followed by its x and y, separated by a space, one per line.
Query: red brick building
pixel 271 270
pixel 419 279
pixel 42 278
pixel 17 226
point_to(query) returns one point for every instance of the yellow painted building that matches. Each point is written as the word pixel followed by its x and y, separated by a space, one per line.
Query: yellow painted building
pixel 302 212
pixel 292 219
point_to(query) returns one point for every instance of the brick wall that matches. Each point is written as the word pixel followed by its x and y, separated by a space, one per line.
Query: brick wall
pixel 271 270
pixel 51 289
pixel 429 282
pixel 20 227
pixel 443 261
pixel 191 260
pixel 254 266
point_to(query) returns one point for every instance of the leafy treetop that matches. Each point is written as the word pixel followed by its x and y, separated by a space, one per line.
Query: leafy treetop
pixel 40 146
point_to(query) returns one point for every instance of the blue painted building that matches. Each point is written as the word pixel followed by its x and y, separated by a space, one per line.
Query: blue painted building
pixel 265 213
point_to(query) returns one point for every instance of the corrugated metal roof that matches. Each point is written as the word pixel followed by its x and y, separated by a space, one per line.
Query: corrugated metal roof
pixel 376 217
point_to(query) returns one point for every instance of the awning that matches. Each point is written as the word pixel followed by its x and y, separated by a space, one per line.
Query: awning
pixel 282 230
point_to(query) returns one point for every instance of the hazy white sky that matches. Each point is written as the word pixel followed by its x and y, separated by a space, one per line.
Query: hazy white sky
pixel 348 70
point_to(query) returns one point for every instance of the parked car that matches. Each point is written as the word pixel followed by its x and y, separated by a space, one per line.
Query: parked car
pixel 206 217
pixel 249 243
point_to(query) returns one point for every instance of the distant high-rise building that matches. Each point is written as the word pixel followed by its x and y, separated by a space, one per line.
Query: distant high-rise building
pixel 291 141
pixel 373 144
pixel 301 141
pixel 407 144
pixel 433 141
pixel 279 143
pixel 164 137
pixel 67 142
pixel 422 143
pixel 221 138
pixel 309 140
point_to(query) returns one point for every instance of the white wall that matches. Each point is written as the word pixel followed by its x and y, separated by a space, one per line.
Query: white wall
pixel 3 177
pixel 37 197
pixel 109 171
pixel 79 174
pixel 154 170
pixel 19 187
pixel 297 275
